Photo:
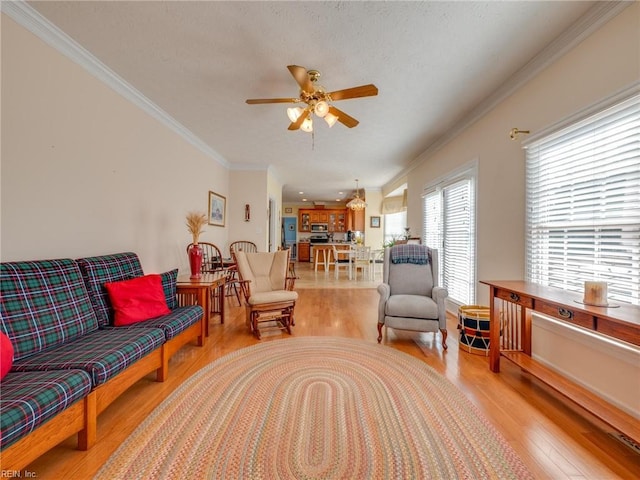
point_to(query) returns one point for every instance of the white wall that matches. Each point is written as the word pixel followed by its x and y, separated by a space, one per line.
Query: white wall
pixel 604 63
pixel 85 172
pixel 373 237
pixel 274 194
pixel 248 187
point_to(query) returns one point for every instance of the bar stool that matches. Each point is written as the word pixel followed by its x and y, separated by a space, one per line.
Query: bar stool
pixel 320 252
pixel 329 258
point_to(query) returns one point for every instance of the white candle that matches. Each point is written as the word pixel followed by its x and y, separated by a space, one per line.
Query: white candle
pixel 595 293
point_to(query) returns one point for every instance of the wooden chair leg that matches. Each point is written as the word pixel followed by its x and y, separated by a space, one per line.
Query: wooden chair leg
pixel 254 325
pixel 248 314
pixel 235 287
pixel 287 317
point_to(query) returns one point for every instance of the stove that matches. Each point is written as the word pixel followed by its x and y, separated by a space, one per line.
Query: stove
pixel 319 238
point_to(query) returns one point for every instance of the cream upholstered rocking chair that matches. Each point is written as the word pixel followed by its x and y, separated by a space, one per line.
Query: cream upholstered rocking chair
pixel 409 296
pixel 267 290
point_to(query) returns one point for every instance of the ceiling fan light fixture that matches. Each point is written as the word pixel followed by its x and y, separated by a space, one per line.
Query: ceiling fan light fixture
pixel 293 113
pixel 307 125
pixel 321 108
pixel 317 100
pixel 331 119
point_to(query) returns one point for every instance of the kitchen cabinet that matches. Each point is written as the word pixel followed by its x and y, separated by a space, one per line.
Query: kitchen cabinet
pixel 304 221
pixel 355 220
pixel 319 216
pixel 337 220
pixel 304 252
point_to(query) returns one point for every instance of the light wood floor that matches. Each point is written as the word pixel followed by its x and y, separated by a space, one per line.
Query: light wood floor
pixel 553 438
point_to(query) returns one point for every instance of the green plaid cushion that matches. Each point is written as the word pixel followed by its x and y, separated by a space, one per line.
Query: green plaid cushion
pixel 107 268
pixel 30 399
pixel 169 280
pixel 44 303
pixel 103 353
pixel 172 324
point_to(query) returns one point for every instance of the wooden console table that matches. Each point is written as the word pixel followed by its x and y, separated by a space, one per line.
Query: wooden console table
pixel 622 323
pixel 200 292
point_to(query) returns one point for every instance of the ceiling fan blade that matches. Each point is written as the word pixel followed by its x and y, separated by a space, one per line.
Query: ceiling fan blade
pixel 355 92
pixel 302 77
pixel 343 118
pixel 257 101
pixel 296 125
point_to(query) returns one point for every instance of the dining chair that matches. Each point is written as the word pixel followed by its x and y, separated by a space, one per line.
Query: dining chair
pixel 212 262
pixel 242 245
pixel 377 261
pixel 211 257
pixel 361 260
pixel 341 259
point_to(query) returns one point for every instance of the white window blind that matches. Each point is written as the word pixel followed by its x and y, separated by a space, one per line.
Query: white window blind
pixel 449 226
pixel 583 204
pixel 433 223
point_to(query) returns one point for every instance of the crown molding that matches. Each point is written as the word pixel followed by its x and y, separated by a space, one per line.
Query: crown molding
pixel 29 18
pixel 592 20
pixel 249 167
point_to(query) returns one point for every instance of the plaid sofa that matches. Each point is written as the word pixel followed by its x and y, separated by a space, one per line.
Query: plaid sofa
pixel 182 325
pixel 58 317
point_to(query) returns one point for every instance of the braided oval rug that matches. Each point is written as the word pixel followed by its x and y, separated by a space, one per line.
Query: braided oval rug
pixel 316 407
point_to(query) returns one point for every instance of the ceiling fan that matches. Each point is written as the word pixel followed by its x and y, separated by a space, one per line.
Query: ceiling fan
pixel 317 100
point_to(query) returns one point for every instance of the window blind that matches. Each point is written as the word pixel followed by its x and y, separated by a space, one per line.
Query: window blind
pixel 458 242
pixel 433 225
pixel 393 205
pixel 583 204
pixel 449 226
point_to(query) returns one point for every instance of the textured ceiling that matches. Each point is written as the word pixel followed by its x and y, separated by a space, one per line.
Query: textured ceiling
pixel 433 63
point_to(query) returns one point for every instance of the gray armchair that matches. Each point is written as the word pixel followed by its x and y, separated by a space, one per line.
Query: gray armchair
pixel 409 297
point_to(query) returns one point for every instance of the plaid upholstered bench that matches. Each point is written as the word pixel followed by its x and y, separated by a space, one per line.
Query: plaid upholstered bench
pixel 49 316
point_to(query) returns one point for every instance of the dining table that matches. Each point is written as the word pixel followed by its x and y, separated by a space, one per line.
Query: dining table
pixel 349 249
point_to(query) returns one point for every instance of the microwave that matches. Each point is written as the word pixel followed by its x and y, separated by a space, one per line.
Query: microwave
pixel 319 227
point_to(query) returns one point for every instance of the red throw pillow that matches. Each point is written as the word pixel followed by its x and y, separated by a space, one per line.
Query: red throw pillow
pixel 6 355
pixel 137 299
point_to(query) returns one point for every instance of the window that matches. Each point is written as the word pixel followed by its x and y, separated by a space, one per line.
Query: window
pixel 449 226
pixel 394 224
pixel 583 204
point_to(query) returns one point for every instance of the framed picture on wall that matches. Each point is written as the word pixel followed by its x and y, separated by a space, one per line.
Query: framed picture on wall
pixel 217 209
pixel 375 222
pixel 288 210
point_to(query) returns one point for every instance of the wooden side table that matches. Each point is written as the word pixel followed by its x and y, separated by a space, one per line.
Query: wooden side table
pixel 621 323
pixel 201 292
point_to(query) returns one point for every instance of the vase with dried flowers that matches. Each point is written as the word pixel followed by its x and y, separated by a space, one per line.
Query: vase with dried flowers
pixel 195 222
